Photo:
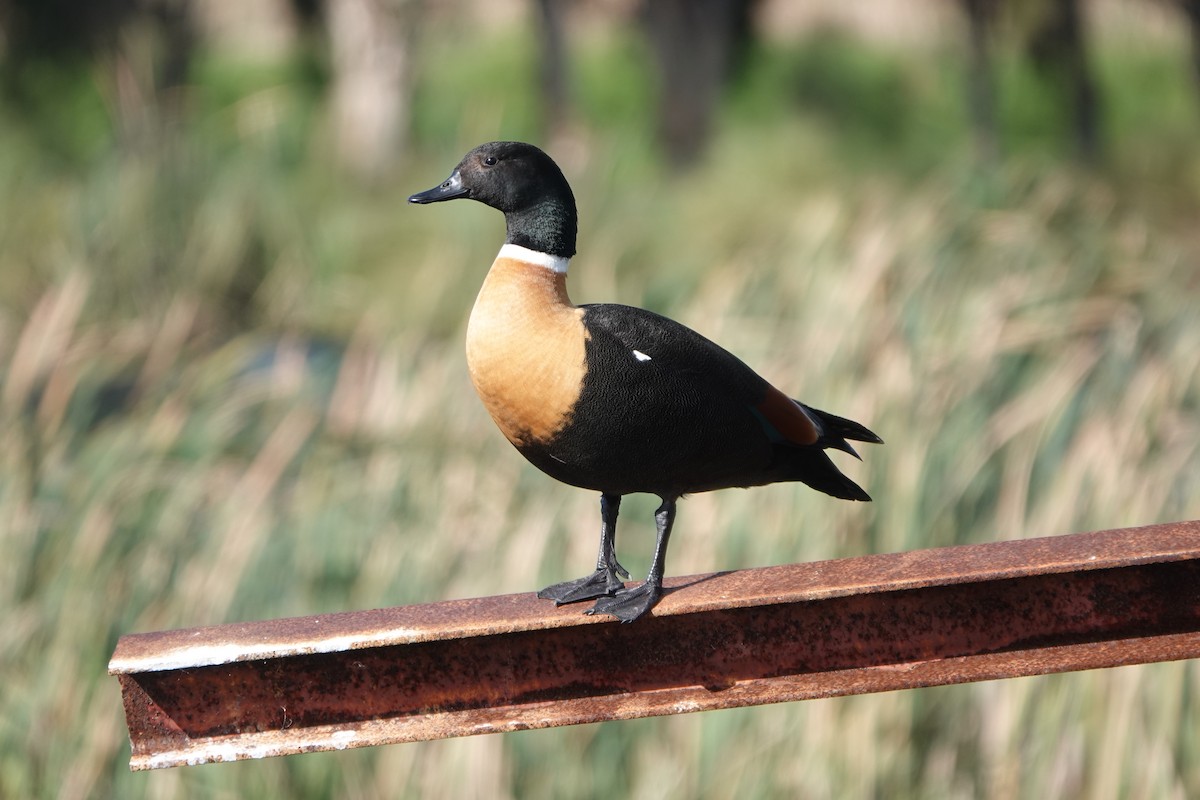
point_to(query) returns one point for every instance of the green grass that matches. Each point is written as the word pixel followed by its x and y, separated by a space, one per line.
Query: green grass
pixel 1025 340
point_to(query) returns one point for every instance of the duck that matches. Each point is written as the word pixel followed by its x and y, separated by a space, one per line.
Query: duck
pixel 613 398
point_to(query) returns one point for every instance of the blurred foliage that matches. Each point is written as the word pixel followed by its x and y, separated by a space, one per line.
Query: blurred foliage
pixel 232 387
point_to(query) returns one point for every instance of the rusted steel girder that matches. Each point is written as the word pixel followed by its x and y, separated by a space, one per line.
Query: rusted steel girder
pixel 850 626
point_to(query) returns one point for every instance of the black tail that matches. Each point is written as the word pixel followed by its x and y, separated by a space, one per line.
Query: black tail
pixel 836 430
pixel 813 467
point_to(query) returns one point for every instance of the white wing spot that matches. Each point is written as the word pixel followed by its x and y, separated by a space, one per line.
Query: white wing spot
pixel 640 356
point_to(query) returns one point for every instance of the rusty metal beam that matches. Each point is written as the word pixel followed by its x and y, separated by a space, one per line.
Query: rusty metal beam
pixel 856 625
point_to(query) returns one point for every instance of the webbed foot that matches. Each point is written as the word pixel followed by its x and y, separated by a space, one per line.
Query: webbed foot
pixel 629 604
pixel 601 583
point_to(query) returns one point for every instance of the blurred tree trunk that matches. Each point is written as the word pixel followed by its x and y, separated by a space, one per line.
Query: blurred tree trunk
pixel 556 101
pixel 1059 48
pixel 981 88
pixel 174 19
pixel 370 45
pixel 1191 9
pixel 695 43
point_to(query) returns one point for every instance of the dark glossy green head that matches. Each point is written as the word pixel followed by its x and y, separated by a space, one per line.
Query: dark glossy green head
pixel 525 184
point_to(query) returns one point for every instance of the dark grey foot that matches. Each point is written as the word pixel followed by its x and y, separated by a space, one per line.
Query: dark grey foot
pixel 629 604
pixel 601 583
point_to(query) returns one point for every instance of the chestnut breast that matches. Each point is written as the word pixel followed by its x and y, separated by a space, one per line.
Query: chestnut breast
pixel 525 350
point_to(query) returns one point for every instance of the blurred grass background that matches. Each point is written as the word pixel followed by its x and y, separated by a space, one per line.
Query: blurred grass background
pixel 232 387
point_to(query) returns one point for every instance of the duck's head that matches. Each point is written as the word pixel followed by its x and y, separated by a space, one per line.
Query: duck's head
pixel 524 183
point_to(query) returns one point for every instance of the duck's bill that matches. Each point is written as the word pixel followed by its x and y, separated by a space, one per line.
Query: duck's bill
pixel 451 188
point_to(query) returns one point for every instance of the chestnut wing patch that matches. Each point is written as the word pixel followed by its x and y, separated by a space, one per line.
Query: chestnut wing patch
pixel 784 419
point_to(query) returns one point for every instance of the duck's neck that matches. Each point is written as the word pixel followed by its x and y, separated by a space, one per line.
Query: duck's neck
pixel 547 227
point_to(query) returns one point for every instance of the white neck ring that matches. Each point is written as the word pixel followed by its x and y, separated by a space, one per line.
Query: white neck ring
pixel 518 253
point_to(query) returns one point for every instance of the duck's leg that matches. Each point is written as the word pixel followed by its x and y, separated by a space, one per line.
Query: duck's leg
pixel 629 604
pixel 606 579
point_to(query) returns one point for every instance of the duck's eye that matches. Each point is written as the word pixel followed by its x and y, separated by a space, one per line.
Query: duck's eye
pixel 489 161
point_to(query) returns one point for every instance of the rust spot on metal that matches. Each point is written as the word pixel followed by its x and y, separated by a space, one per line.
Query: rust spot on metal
pixel 750 637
